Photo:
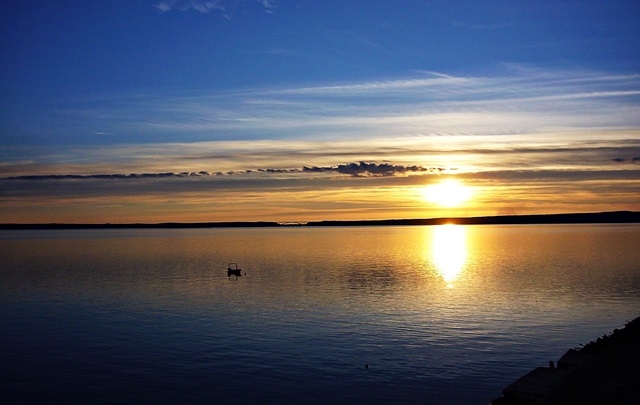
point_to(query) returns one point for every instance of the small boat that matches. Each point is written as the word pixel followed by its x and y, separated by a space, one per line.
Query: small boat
pixel 233 270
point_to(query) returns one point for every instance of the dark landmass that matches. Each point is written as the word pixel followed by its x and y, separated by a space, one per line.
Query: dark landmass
pixel 575 218
pixel 164 225
pixel 604 371
pixel 614 217
pixel 581 218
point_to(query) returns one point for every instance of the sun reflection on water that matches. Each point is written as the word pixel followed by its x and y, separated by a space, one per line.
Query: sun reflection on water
pixel 449 250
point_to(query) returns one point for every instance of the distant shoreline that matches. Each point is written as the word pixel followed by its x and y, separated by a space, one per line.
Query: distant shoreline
pixel 613 217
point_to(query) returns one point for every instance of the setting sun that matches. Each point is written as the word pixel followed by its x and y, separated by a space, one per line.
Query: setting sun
pixel 447 193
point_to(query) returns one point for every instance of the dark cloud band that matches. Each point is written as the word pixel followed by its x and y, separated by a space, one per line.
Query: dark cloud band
pixel 352 169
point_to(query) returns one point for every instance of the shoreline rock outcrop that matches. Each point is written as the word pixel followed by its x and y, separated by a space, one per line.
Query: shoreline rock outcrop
pixel 604 371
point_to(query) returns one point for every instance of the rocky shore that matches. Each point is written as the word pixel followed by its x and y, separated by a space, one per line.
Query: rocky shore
pixel 604 371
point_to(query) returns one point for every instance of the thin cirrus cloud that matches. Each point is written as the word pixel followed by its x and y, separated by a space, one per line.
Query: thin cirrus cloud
pixel 225 7
pixel 520 101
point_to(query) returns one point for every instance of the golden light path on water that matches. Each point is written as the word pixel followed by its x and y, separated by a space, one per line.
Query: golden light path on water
pixel 449 251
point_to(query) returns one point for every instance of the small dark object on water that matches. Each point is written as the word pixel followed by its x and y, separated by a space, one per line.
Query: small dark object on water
pixel 366 366
pixel 233 270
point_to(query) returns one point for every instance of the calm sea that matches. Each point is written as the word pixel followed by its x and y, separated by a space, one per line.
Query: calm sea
pixel 439 314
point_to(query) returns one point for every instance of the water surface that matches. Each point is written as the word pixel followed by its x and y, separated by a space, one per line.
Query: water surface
pixel 440 314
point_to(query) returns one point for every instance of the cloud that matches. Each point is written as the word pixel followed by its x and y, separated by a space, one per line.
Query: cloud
pixel 370 169
pixel 352 169
pixel 514 102
pixel 635 159
pixel 525 129
pixel 267 5
pixel 108 176
pixel 321 192
pixel 556 178
pixel 522 101
pixel 480 26
pixel 377 157
pixel 203 6
pixel 228 191
pixel 225 7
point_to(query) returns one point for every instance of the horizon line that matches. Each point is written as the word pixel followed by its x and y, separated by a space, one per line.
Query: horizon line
pixel 515 219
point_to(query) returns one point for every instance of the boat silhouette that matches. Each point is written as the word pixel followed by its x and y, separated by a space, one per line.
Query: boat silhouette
pixel 234 270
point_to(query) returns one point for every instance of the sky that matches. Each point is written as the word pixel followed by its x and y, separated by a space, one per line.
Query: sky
pixel 150 111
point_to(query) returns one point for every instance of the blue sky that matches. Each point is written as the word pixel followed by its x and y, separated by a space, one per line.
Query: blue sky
pixel 249 93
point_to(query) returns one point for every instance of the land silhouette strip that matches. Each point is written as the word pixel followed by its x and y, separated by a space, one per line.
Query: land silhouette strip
pixel 611 217
pixel 604 371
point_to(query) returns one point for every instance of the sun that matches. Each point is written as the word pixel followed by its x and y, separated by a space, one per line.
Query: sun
pixel 448 193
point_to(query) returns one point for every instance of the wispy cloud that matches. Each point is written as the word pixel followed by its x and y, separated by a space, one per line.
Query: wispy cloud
pixel 489 26
pixel 523 100
pixel 203 6
pixel 225 7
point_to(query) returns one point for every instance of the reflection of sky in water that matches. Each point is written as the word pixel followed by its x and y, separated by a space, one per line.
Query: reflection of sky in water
pixel 449 250
pixel 313 305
